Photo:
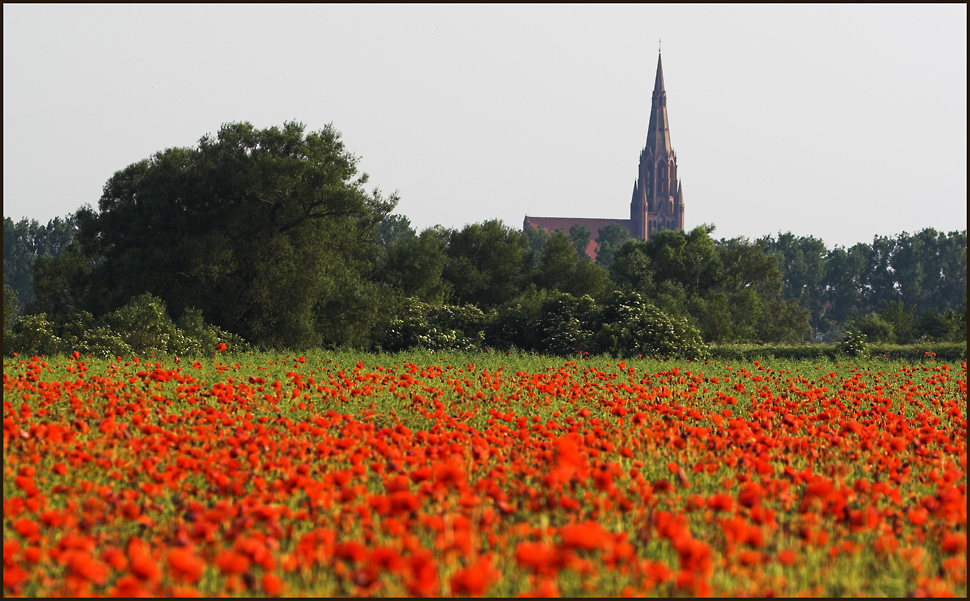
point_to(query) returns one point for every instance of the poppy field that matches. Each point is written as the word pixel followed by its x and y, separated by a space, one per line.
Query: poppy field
pixel 474 474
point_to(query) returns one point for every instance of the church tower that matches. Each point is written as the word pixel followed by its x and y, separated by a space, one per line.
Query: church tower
pixel 658 197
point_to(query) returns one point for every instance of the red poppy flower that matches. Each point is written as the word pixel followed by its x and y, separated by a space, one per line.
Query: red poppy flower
pixel 184 565
pixel 231 562
pixel 476 579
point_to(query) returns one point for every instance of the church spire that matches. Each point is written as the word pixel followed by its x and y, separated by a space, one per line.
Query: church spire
pixel 658 132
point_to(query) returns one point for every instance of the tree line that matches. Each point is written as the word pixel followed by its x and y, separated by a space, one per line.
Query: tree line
pixel 271 237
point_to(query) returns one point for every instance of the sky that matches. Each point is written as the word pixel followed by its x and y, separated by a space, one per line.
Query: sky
pixel 842 122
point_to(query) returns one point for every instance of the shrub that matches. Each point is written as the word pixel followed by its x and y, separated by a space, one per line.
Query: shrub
pixel 567 324
pixel 631 326
pixel 11 307
pixel 875 328
pixel 34 335
pixel 141 327
pixel 855 344
pixel 437 328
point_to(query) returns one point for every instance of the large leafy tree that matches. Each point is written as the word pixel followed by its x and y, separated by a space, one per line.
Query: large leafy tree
pixel 488 264
pixel 414 265
pixel 269 232
pixel 562 267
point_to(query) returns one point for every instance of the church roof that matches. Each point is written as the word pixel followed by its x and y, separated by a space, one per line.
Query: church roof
pixel 658 132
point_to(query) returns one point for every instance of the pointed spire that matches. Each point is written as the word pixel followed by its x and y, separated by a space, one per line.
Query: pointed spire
pixel 658 83
pixel 658 132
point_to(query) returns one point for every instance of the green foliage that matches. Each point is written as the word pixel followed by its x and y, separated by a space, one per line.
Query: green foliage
pixel 897 323
pixel 557 323
pixel 944 326
pixel 801 261
pixel 901 319
pixel 394 228
pixel 415 266
pixel 945 351
pixel 609 240
pixel 631 268
pixel 11 307
pixel 874 327
pixel 580 234
pixel 855 344
pixel 34 335
pixel 564 269
pixel 435 328
pixel 24 242
pixel 141 327
pixel 488 264
pixel 632 326
pixel 545 321
pixel 925 271
pixel 537 238
pixel 269 233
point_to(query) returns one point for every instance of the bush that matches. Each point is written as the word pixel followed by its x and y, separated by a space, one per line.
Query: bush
pixel 941 351
pixel 34 335
pixel 11 307
pixel 195 337
pixel 141 327
pixel 436 328
pixel 945 326
pixel 567 324
pixel 631 326
pixel 874 327
pixel 855 344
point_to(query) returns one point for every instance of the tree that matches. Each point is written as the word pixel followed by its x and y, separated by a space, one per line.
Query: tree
pixel 11 306
pixel 24 242
pixel 901 319
pixel 745 265
pixel 562 268
pixel 62 284
pixel 394 228
pixel 269 233
pixel 415 266
pixel 580 234
pixel 631 268
pixel 875 328
pixel 537 239
pixel 801 261
pixel 632 326
pixel 950 282
pixel 609 240
pixel 843 282
pixel 488 264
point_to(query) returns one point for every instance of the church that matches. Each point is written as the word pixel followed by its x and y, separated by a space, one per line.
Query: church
pixel 658 196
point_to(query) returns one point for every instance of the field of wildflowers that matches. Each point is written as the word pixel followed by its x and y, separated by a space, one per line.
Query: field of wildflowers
pixel 475 474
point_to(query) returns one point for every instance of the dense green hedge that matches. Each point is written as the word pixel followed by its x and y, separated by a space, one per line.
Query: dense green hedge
pixel 141 327
pixel 945 351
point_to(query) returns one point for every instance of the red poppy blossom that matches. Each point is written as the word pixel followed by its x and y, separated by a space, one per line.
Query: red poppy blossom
pixel 586 536
pixel 184 565
pixel 476 579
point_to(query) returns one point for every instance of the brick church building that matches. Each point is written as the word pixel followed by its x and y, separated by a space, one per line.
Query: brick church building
pixel 658 197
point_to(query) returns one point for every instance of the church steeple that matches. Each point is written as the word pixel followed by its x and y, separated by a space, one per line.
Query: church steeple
pixel 658 198
pixel 658 132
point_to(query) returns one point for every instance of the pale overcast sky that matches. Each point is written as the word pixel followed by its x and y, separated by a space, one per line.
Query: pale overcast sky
pixel 842 122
